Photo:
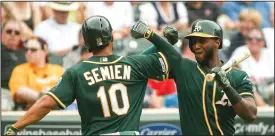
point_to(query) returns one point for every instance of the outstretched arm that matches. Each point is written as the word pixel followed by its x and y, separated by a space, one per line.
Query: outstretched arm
pixel 38 111
pixel 141 30
pixel 172 36
pixel 152 49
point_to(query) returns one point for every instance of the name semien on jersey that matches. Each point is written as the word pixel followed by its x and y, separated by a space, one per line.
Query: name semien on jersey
pixel 110 72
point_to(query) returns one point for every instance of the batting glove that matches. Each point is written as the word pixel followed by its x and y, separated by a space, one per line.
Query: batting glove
pixel 220 77
pixel 171 34
pixel 141 30
pixel 11 131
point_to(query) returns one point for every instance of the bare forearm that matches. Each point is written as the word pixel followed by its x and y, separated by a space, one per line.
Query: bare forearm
pixel 246 109
pixel 63 52
pixel 38 111
pixel 180 27
pixel 25 94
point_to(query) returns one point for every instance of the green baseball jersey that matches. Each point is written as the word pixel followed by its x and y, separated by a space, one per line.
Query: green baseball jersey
pixel 109 90
pixel 204 108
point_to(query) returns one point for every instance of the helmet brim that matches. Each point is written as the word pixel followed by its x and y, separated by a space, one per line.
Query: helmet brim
pixel 199 34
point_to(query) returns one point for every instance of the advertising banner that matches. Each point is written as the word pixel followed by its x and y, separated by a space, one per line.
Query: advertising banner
pixel 151 124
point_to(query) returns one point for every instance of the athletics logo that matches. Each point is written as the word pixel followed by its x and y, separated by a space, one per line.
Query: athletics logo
pixel 99 41
pixel 197 28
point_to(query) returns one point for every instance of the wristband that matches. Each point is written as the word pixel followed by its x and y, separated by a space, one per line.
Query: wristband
pixel 148 33
pixel 12 131
pixel 232 95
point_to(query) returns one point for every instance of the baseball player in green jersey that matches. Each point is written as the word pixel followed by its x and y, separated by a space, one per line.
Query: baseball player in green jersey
pixel 109 89
pixel 206 108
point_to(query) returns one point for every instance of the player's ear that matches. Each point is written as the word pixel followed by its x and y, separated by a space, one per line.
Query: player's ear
pixel 218 43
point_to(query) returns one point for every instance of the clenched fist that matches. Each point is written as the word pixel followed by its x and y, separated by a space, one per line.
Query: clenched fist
pixel 141 30
pixel 171 34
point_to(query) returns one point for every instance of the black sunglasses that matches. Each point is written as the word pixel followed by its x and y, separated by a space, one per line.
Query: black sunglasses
pixel 32 49
pixel 256 38
pixel 10 31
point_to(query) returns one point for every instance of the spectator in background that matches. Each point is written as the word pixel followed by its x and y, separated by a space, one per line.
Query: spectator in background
pixel 207 10
pixel 46 11
pixel 233 9
pixel 260 65
pixel 60 33
pixel 78 54
pixel 27 12
pixel 185 50
pixel 7 103
pixel 34 77
pixel 77 16
pixel 164 13
pixel 219 3
pixel 202 10
pixel 136 11
pixel 5 13
pixel 269 32
pixel 249 19
pixel 11 52
pixel 120 15
pixel 259 100
pixel 163 93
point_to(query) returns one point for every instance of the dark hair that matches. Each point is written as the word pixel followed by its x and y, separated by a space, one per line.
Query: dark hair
pixel 43 44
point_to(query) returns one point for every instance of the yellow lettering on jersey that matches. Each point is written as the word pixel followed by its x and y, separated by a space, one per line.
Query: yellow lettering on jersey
pixel 105 73
pixel 89 78
pixel 117 71
pixel 112 72
pixel 127 72
pixel 95 74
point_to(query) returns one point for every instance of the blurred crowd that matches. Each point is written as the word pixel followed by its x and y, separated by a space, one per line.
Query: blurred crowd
pixel 40 40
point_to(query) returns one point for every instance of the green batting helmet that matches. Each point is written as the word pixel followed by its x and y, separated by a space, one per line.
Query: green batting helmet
pixel 206 29
pixel 97 32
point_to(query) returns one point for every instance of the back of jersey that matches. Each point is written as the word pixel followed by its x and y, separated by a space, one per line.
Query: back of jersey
pixel 109 90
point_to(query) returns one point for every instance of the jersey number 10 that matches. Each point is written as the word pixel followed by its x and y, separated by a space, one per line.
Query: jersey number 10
pixel 113 99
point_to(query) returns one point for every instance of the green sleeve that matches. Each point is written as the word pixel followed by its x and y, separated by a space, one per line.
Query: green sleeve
pixel 63 92
pixel 173 57
pixel 244 87
pixel 152 49
pixel 150 65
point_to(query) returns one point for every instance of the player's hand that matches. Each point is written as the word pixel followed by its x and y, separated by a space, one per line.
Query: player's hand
pixel 171 34
pixel 220 77
pixel 141 30
pixel 11 131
